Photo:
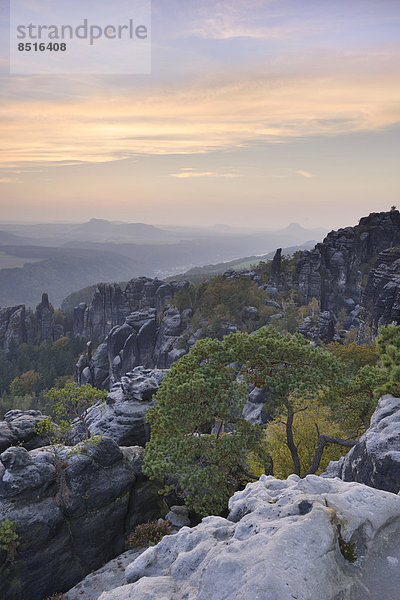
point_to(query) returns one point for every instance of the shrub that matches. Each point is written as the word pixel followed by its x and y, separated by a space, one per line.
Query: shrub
pixel 9 538
pixel 148 534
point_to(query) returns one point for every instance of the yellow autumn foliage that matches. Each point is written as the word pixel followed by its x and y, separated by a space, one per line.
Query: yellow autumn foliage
pixel 305 433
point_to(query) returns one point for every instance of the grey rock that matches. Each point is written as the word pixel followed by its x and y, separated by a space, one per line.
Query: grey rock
pixel 18 427
pixel 331 271
pixel 104 579
pixel 380 301
pixel 123 416
pixel 45 317
pixel 60 502
pixel 178 516
pixel 13 327
pixel 280 541
pixel 375 459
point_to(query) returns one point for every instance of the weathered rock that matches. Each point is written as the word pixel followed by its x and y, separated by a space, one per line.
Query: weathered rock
pixel 12 327
pixel 72 513
pixel 19 326
pixel 104 579
pixel 375 459
pixel 18 427
pixel 319 327
pixel 331 272
pixel 123 416
pixel 280 541
pixel 111 305
pixel 380 301
pixel 45 317
pixel 138 341
pixel 178 516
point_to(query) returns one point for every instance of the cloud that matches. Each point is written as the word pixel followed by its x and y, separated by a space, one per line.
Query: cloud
pixel 190 119
pixel 7 180
pixel 187 173
pixel 305 174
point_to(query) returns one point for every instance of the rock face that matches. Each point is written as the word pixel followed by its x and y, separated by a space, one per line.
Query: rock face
pixel 18 427
pixel 45 318
pixel 140 329
pixel 280 540
pixel 380 301
pixel 123 416
pixel 72 513
pixel 18 326
pixel 333 271
pixel 110 306
pixel 375 459
pixel 139 341
pixel 12 327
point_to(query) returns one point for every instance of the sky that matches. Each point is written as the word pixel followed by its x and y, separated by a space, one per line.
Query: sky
pixel 256 113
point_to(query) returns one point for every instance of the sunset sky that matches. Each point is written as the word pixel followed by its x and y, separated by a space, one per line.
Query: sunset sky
pixel 256 113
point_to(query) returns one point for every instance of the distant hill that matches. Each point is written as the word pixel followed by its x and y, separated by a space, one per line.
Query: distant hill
pixel 59 273
pixel 197 273
pixel 76 255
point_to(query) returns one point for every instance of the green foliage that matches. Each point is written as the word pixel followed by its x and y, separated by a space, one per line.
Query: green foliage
pixel 309 419
pixel 353 403
pixel 288 365
pixel 202 398
pixel 72 402
pixel 27 383
pixel 354 399
pixel 347 549
pixel 222 300
pixel 9 538
pixel 389 350
pixel 196 401
pixel 354 356
pixel 29 371
pixel 148 534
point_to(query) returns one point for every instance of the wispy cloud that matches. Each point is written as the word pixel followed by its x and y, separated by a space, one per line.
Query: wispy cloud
pixel 305 174
pixel 7 180
pixel 186 173
pixel 197 119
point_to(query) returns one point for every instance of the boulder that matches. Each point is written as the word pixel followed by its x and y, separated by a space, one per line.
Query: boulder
pixel 73 508
pixel 282 540
pixel 18 427
pixel 375 459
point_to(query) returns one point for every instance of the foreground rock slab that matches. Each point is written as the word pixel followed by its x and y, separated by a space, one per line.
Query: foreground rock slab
pixel 280 541
pixel 104 579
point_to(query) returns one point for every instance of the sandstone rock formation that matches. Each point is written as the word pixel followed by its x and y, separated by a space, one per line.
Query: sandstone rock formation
pixel 375 459
pixel 123 416
pixel 140 341
pixel 108 577
pixel 111 305
pixel 12 326
pixel 380 301
pixel 333 271
pixel 140 329
pixel 281 540
pixel 18 427
pixel 19 326
pixel 72 512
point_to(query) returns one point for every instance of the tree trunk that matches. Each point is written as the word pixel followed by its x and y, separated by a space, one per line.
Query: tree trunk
pixel 319 448
pixel 290 442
